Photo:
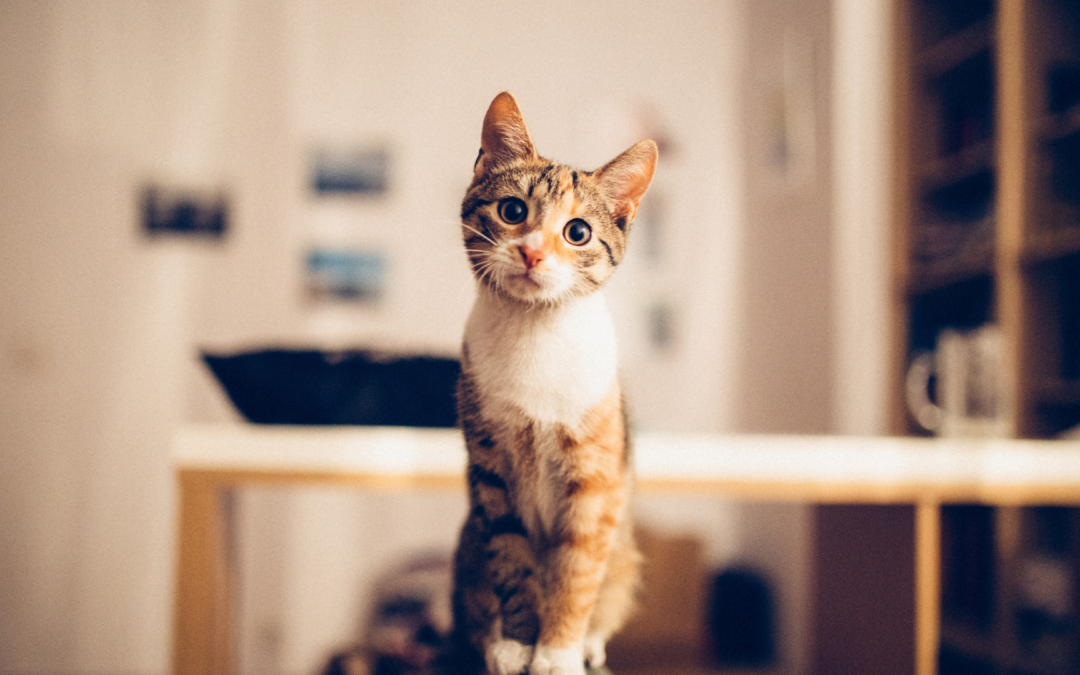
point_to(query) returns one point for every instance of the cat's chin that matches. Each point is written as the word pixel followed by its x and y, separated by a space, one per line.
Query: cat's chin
pixel 529 291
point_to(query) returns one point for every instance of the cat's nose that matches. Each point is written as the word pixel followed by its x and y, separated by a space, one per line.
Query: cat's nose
pixel 531 256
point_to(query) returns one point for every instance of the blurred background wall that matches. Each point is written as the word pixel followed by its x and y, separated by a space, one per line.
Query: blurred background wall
pixel 764 292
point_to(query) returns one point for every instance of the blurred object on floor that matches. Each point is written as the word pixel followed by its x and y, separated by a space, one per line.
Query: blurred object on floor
pixel 666 633
pixel 741 625
pixel 408 621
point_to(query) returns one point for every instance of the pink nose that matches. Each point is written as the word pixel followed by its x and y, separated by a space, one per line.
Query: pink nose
pixel 531 256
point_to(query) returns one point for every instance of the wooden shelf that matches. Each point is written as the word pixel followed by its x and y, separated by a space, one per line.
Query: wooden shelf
pixel 957 48
pixel 931 276
pixel 969 641
pixel 988 90
pixel 967 163
pixel 1057 392
pixel 1050 245
pixel 1061 126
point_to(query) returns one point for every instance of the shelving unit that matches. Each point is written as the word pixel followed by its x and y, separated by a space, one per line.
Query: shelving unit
pixel 987 231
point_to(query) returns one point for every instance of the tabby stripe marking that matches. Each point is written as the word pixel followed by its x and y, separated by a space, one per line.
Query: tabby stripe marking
pixel 472 205
pixel 508 524
pixel 611 258
pixel 542 177
pixel 478 475
pixel 486 223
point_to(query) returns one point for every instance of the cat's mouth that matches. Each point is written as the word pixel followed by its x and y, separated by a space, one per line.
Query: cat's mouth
pixel 525 284
pixel 530 285
pixel 529 278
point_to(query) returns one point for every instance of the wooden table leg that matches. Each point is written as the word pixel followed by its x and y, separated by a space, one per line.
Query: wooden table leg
pixel 202 626
pixel 927 587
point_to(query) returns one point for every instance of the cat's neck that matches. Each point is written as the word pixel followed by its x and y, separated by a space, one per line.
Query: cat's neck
pixel 507 305
pixel 552 362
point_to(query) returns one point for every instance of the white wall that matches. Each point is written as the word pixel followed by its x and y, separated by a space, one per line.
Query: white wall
pixel 420 75
pixel 99 327
pixel 863 81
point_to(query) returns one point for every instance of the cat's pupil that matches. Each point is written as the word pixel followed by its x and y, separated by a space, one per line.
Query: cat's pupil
pixel 512 210
pixel 577 232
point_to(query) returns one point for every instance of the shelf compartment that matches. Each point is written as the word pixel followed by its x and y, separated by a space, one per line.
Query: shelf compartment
pixel 973 263
pixel 1057 392
pixel 969 566
pixel 953 240
pixel 973 644
pixel 1064 159
pixel 962 305
pixel 970 161
pixel 1056 126
pixel 1068 280
pixel 958 47
pixel 937 20
pixel 964 101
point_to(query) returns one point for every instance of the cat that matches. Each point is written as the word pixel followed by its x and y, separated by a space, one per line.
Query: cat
pixel 546 568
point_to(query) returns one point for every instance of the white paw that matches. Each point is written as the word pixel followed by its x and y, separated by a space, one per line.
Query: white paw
pixel 552 661
pixel 595 656
pixel 507 657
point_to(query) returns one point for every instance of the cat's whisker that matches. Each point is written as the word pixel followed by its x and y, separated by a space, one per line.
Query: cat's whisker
pixel 486 272
pixel 481 234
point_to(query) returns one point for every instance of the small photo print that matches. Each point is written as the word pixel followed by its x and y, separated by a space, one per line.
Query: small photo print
pixel 661 326
pixel 184 212
pixel 345 275
pixel 358 171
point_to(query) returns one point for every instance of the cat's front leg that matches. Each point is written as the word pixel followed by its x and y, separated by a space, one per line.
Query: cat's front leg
pixel 594 492
pixel 576 569
pixel 511 569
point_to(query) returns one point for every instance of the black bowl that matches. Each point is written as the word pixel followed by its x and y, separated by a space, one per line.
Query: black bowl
pixel 310 387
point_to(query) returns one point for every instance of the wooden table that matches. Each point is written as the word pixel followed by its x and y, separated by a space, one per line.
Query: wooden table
pixel 210 461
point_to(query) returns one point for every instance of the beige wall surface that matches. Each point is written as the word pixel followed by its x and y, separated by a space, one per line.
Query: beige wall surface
pixel 100 327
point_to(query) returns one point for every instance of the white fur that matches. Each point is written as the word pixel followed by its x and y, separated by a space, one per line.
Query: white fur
pixel 551 661
pixel 549 365
pixel 537 503
pixel 507 657
pixel 552 364
pixel 595 653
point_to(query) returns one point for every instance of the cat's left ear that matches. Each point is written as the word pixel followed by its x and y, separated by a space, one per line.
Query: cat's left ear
pixel 626 178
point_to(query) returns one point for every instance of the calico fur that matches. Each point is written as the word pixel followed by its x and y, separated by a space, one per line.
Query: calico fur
pixel 546 567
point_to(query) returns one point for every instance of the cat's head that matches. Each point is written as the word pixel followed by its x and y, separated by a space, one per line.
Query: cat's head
pixel 540 232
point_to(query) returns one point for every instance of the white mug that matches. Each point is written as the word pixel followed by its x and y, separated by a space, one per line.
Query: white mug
pixel 972 397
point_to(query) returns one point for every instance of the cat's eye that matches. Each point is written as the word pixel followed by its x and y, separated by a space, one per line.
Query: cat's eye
pixel 577 232
pixel 512 210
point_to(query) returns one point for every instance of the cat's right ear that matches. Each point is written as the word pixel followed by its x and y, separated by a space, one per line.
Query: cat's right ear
pixel 505 136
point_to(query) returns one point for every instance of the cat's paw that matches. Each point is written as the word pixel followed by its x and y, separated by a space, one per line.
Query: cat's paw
pixel 507 657
pixel 595 655
pixel 552 661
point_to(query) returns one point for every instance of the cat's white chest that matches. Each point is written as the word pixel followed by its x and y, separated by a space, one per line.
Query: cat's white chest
pixel 552 364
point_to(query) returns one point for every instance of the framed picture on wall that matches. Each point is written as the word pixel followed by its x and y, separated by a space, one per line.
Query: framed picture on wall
pixel 359 171
pixel 344 275
pixel 184 211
